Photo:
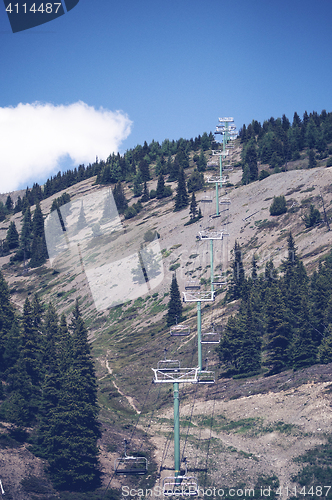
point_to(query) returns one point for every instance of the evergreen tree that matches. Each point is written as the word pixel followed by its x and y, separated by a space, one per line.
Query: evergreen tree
pixel 237 286
pixel 160 186
pixel 249 355
pixel 278 206
pixel 201 164
pixel 313 218
pixel 18 205
pixel 312 159
pixel 325 349
pixel 250 169
pixel 39 253
pixel 174 313
pixel 278 330
pixel 9 203
pixel 138 189
pixel 181 199
pixel 69 429
pixel 174 170
pixel 145 196
pixel 143 168
pixel 6 319
pixel 120 198
pixel 12 236
pixel 24 248
pixel 193 207
pixel 303 350
pixel 230 343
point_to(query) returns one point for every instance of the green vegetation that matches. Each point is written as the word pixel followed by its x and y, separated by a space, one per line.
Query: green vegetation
pixel 51 385
pixel 282 322
pixel 278 206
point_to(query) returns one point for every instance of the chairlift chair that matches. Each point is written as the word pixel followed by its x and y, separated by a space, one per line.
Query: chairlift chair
pixel 182 485
pixel 192 285
pixel 210 337
pixel 206 377
pixel 130 464
pixel 219 280
pixel 180 330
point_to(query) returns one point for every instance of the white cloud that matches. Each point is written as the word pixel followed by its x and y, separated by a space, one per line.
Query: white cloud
pixel 34 138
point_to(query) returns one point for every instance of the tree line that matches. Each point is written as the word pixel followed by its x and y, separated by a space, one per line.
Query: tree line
pixel 133 165
pixel 279 141
pixel 48 382
pixel 284 319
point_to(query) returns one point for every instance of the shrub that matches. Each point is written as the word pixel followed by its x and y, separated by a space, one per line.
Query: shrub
pixel 153 194
pixel 278 206
pixel 263 174
pixel 313 218
pixel 195 181
pixel 130 212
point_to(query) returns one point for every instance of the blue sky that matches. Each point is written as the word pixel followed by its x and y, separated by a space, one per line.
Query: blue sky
pixel 171 68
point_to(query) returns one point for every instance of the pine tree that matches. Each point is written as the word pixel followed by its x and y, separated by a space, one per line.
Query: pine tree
pixel 278 330
pixel 303 350
pixel 9 203
pixel 26 234
pixel 230 343
pixel 73 455
pixel 237 285
pixel 174 313
pixel 6 319
pixel 201 164
pixel 39 253
pixel 12 236
pixel 160 186
pixel 145 196
pixel 249 355
pixel 120 198
pixel 325 349
pixel 143 168
pixel 138 189
pixel 181 199
pixel 193 207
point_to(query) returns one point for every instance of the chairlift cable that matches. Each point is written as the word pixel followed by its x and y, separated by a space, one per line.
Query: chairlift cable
pixel 152 414
pixel 191 416
pixel 209 442
pixel 139 416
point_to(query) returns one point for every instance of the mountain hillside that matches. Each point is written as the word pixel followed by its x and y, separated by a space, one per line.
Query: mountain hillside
pixel 235 431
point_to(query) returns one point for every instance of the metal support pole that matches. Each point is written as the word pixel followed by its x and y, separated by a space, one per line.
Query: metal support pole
pixel 217 198
pixel 176 429
pixel 211 264
pixel 220 168
pixel 199 336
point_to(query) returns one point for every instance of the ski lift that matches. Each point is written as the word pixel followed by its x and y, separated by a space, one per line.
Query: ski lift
pixel 206 377
pixel 130 464
pixel 219 280
pixel 210 337
pixel 169 371
pixel 180 330
pixel 192 284
pixel 224 201
pixel 183 485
